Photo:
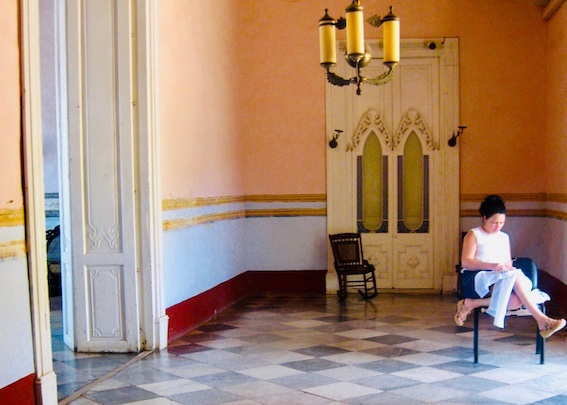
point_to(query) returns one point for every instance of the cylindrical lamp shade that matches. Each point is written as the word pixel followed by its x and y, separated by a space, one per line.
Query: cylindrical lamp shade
pixel 327 40
pixel 355 29
pixel 391 33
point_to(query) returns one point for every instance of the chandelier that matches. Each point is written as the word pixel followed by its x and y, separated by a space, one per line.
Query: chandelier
pixel 358 54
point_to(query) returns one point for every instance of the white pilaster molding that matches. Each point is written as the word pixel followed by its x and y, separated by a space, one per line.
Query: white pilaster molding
pixel 46 381
pixel 155 321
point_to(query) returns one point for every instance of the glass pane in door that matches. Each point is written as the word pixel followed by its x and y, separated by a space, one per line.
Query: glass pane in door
pixel 413 190
pixel 372 176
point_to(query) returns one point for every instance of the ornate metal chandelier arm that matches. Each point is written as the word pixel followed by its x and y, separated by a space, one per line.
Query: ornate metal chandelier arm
pixel 375 20
pixel 359 78
pixel 339 81
pixel 382 79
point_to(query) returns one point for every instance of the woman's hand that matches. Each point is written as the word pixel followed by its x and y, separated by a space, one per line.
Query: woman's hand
pixel 499 267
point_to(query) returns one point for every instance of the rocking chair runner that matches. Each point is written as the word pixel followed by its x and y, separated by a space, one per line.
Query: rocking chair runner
pixel 351 267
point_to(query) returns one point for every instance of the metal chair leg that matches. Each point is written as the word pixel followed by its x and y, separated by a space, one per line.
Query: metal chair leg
pixel 476 312
pixel 540 341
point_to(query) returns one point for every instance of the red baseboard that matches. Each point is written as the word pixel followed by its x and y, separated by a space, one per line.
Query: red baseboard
pixel 21 392
pixel 197 310
pixel 555 288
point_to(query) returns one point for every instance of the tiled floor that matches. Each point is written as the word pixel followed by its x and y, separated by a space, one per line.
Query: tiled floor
pixel 396 349
pixel 77 370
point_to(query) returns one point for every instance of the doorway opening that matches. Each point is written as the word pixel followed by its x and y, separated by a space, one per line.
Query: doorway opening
pixel 74 370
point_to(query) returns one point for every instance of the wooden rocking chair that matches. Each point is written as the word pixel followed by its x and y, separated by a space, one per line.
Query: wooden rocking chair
pixel 351 267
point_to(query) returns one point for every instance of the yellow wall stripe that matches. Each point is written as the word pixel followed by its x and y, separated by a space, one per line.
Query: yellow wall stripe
pixel 184 203
pixel 173 224
pixel 297 212
pixel 12 250
pixel 178 204
pixel 556 214
pixel 556 197
pixel 543 213
pixel 10 217
pixel 287 198
pixel 517 197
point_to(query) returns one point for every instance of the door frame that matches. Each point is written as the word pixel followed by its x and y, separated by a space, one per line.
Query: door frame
pixel 447 228
pixel 154 321
pixel 34 200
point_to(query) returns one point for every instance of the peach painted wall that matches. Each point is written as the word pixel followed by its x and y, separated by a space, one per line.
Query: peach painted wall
pixel 10 180
pixel 501 100
pixel 556 112
pixel 554 243
pixel 242 96
pixel 284 123
pixel 199 106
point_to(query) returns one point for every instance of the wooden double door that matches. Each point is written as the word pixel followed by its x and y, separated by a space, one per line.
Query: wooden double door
pixel 393 177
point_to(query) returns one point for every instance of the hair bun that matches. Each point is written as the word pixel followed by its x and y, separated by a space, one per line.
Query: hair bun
pixel 492 204
pixel 493 198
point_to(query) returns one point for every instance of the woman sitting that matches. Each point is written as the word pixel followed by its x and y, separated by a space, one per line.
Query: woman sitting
pixel 488 277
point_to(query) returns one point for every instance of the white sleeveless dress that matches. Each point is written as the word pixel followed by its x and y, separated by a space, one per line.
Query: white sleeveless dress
pixel 495 248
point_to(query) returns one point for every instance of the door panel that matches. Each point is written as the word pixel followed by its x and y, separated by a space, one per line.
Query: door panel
pixel 102 178
pixel 396 183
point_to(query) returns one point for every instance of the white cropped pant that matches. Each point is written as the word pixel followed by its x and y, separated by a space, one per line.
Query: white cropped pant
pixel 503 285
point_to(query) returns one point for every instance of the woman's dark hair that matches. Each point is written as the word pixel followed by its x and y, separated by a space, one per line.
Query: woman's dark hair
pixel 492 204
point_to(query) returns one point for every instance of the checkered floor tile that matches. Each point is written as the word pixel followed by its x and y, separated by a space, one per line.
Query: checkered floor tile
pixel 280 349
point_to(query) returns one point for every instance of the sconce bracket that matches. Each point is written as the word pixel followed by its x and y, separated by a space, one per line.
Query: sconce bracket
pixel 333 142
pixel 453 140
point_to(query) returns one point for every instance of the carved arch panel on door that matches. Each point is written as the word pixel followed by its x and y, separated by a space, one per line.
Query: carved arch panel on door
pixel 413 145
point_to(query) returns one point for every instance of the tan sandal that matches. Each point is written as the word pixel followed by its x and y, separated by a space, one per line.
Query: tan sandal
pixel 462 312
pixel 551 328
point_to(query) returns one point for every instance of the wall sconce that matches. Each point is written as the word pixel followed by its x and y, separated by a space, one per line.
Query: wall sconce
pixel 333 142
pixel 453 141
pixel 358 54
pixel 434 44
